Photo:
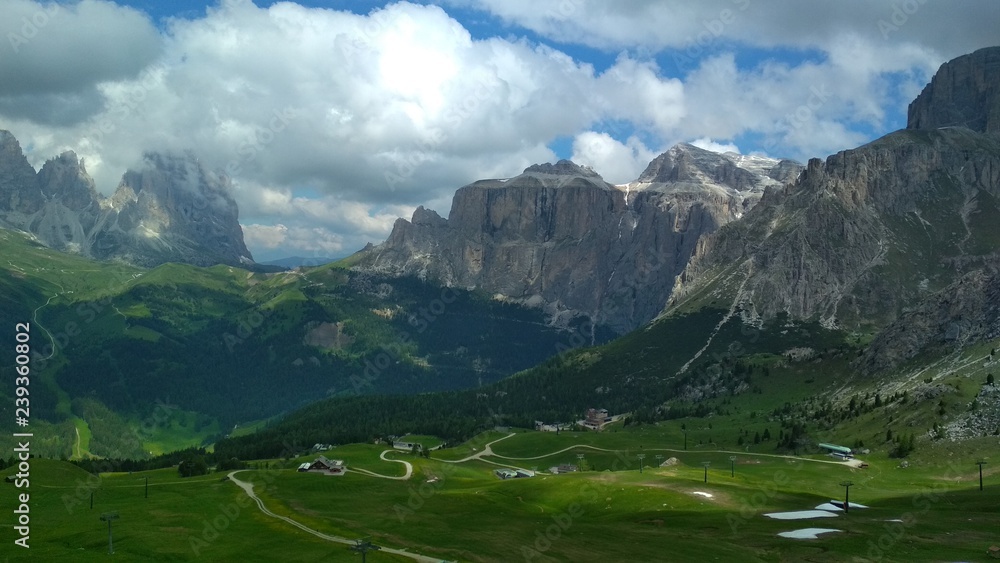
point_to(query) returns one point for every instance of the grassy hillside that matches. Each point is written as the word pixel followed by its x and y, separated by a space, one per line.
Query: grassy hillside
pixel 178 355
pixel 611 509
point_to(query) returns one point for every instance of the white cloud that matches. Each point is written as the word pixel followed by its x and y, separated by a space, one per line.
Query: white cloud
pixel 697 28
pixel 372 115
pixel 618 163
pixel 710 145
pixel 316 240
pixel 53 56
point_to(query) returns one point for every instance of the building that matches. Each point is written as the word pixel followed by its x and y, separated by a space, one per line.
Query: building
pixel 844 452
pixel 524 473
pixel 595 419
pixel 325 466
pixel 505 473
pixel 564 468
pixel 597 416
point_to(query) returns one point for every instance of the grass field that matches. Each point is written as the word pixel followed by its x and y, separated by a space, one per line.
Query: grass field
pixel 462 512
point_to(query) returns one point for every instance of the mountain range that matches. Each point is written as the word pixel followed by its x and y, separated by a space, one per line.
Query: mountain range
pixel 872 264
pixel 172 209
pixel 560 238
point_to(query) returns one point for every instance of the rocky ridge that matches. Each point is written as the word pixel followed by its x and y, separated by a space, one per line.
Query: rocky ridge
pixel 170 210
pixel 897 234
pixel 559 237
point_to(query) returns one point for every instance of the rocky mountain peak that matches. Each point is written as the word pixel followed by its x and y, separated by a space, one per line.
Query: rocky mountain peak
pixel 172 209
pixel 684 166
pixel 562 168
pixel 19 190
pixel 174 206
pixel 559 237
pixel 65 178
pixel 965 92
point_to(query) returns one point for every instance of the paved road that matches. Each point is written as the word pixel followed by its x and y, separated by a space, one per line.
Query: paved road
pixel 248 488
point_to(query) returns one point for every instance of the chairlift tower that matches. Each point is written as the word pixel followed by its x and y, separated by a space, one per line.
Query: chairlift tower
pixel 847 494
pixel 108 517
pixel 363 546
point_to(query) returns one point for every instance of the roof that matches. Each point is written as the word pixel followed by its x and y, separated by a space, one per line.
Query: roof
pixel 327 462
pixel 836 448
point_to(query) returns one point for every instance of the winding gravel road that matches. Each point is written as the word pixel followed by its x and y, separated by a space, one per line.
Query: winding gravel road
pixel 248 488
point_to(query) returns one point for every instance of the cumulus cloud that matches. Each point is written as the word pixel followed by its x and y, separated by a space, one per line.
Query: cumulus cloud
pixel 53 56
pixel 331 120
pixel 710 145
pixel 695 28
pixel 311 241
pixel 617 162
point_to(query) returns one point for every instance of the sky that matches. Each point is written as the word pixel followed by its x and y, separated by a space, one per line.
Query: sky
pixel 334 118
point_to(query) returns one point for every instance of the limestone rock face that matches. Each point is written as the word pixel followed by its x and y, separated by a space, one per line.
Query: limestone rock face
pixel 965 312
pixel 560 237
pixel 173 209
pixel 864 235
pixel 170 210
pixel 19 190
pixel 965 92
pixel 870 233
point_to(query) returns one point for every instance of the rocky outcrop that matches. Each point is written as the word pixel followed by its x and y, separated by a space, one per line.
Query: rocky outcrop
pixel 560 237
pixel 965 92
pixel 19 190
pixel 965 312
pixel 899 234
pixel 170 210
pixel 862 236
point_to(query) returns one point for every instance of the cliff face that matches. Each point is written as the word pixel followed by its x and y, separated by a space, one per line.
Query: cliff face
pixel 559 237
pixel 965 312
pixel 171 210
pixel 965 92
pixel 864 235
pixel 899 234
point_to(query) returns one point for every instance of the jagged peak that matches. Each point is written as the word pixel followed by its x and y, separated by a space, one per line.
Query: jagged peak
pixel 424 216
pixel 562 168
pixel 964 92
pixel 685 165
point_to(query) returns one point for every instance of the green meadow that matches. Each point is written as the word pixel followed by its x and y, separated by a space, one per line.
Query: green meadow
pixel 931 510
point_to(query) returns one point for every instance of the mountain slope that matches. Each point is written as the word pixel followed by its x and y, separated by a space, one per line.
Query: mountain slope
pixel 862 236
pixel 559 237
pixel 860 296
pixel 223 345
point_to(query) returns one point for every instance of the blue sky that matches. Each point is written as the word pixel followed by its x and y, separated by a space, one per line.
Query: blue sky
pixel 335 118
